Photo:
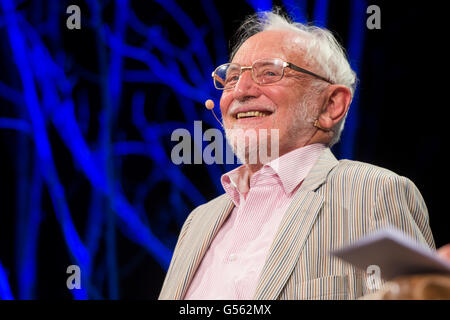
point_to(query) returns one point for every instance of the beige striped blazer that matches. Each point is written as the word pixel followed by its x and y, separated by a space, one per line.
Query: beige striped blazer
pixel 337 203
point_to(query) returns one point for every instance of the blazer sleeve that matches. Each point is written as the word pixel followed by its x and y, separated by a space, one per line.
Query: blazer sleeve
pixel 399 204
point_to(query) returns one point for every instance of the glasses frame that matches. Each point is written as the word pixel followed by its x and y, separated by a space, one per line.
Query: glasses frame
pixel 285 65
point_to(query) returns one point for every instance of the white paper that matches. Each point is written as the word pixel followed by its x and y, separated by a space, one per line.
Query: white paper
pixel 394 253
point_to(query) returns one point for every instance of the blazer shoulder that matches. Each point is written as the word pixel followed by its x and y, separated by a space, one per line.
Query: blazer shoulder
pixel 199 214
pixel 205 208
pixel 217 201
pixel 355 174
pixel 362 170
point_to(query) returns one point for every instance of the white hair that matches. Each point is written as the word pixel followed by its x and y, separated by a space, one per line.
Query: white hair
pixel 320 46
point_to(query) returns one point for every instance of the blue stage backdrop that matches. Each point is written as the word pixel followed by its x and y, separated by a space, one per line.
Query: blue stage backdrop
pixel 87 114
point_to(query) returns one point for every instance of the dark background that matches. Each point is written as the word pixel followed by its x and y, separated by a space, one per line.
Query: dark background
pixel 125 107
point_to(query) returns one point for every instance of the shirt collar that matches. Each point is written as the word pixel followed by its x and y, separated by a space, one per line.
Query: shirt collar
pixel 291 168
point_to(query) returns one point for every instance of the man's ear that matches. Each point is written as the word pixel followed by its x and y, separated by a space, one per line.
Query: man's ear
pixel 336 103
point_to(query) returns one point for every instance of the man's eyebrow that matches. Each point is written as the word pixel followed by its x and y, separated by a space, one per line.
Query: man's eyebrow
pixel 298 75
pixel 266 63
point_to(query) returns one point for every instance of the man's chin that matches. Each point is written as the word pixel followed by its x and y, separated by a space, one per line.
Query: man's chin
pixel 245 154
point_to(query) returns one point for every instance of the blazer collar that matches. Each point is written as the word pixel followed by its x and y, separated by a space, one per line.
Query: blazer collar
pixel 319 172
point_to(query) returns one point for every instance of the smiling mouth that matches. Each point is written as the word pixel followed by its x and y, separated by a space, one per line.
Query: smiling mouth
pixel 252 114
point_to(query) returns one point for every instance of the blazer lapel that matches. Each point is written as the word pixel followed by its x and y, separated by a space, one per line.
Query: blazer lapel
pixel 207 225
pixel 294 230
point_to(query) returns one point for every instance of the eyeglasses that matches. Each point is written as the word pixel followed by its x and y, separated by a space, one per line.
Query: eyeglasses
pixel 264 71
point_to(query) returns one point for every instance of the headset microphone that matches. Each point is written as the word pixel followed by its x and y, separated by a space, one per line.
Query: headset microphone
pixel 209 104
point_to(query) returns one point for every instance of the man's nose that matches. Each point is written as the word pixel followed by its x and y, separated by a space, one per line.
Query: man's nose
pixel 245 87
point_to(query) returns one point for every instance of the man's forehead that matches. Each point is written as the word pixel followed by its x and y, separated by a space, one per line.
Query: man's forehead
pixel 284 44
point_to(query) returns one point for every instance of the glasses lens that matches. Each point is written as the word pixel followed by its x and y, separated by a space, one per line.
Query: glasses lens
pixel 226 76
pixel 268 71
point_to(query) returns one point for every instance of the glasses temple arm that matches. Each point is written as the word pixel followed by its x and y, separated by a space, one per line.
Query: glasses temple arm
pixel 294 67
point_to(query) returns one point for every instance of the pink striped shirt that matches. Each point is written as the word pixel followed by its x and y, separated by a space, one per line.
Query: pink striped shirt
pixel 232 264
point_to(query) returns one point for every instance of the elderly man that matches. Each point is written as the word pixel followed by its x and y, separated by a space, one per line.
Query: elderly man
pixel 269 235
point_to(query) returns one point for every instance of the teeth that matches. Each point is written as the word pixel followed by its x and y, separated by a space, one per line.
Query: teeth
pixel 250 114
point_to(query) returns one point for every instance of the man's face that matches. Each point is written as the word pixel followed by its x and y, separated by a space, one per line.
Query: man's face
pixel 282 102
